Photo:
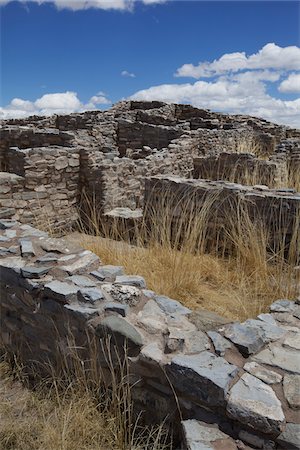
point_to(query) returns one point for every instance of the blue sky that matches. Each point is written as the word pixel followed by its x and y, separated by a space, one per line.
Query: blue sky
pixel 71 55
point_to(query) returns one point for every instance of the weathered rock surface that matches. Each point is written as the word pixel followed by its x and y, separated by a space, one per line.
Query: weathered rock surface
pixel 254 403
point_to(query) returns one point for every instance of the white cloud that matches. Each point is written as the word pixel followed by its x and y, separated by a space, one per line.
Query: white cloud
pixel 271 56
pixel 75 5
pixel 291 84
pixel 242 93
pixel 125 73
pixel 48 104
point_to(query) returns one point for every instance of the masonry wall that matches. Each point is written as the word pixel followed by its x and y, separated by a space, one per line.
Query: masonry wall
pixel 242 168
pixel 135 135
pixel 50 180
pixel 55 296
pixel 276 211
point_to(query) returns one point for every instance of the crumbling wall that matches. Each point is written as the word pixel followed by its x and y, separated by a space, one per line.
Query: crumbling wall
pixel 49 194
pixel 241 377
pixel 241 168
pixel 137 134
pixel 277 212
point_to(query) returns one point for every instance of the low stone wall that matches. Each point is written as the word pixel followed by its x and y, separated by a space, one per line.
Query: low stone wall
pixel 27 136
pixel 241 377
pixel 48 193
pixel 277 212
pixel 242 168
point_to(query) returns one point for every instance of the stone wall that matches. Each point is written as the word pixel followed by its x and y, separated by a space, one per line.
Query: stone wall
pixel 276 211
pixel 236 384
pixel 136 135
pixel 30 136
pixel 50 180
pixel 242 168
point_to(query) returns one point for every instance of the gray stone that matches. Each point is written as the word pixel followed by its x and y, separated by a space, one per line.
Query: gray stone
pixel 90 295
pixel 55 245
pixel 170 306
pixel 117 307
pixel 34 272
pixel 269 332
pixel 254 403
pixel 202 436
pixel 152 353
pixel 61 291
pixel 289 439
pixel 267 318
pixel 256 441
pixel 108 272
pixel 4 239
pixel 204 376
pixel 5 224
pixel 278 356
pixel 84 311
pixel 291 389
pixel 195 342
pixel 81 281
pixel 266 375
pixel 11 234
pixel 123 333
pixel 207 320
pixel 292 340
pixel 47 258
pixel 26 247
pixel 283 306
pixel 86 261
pixel 247 339
pixel 220 343
pixel 131 280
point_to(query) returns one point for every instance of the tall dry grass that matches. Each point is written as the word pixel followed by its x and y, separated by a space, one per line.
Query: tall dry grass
pixel 73 405
pixel 183 252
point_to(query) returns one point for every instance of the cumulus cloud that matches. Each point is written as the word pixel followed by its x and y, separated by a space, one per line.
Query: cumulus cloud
pixel 291 84
pixel 271 56
pixel 242 93
pixel 125 73
pixel 48 104
pixel 75 5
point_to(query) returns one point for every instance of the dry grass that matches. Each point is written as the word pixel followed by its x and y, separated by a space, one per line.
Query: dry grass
pixel 73 409
pixel 173 255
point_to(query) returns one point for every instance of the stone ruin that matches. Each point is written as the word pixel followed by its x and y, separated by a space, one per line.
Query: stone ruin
pixel 222 385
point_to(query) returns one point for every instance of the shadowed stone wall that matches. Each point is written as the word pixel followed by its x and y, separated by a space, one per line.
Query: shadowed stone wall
pixel 241 377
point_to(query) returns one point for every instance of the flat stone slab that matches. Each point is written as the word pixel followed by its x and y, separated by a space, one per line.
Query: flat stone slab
pixel 85 262
pixel 34 272
pixel 117 307
pixel 204 376
pixel 220 343
pixel 264 374
pixel 202 436
pixel 247 339
pixel 90 295
pixel 291 389
pixel 292 340
pixel 131 280
pixel 61 291
pixel 283 357
pixel 83 311
pixel 283 306
pixel 81 281
pixel 255 404
pixel 207 320
pixel 26 247
pixel 127 295
pixel 171 306
pixel 268 331
pixel 108 272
